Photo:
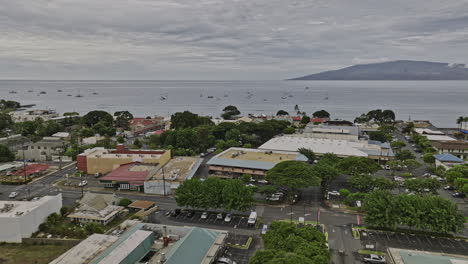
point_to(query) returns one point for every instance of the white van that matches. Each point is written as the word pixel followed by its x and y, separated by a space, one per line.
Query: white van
pixel 252 218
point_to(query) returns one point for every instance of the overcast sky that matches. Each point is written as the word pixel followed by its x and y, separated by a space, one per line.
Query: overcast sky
pixel 222 39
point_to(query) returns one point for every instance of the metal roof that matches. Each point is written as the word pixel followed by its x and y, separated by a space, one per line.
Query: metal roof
pixel 447 157
pixel 193 247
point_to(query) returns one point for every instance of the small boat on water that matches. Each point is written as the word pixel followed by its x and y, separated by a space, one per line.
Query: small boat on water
pixel 69 95
pixel 59 91
pixel 30 91
pixel 78 95
pixel 12 92
pixel 42 92
pixel 283 97
pixel 162 98
pixel 307 88
pixel 95 93
pixel 210 96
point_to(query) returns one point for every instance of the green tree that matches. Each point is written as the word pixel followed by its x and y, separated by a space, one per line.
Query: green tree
pixel 64 210
pixel 122 119
pixel 86 132
pixel 398 145
pixel 380 209
pixel 289 130
pixel 321 114
pixel 305 119
pixel 94 117
pixel 137 143
pixel 294 174
pixel 326 173
pixel 356 165
pixel 246 178
pixel 282 113
pixel 404 155
pixel 379 136
pixel 188 119
pixel 125 202
pixel 5 121
pixel 361 182
pixel 93 228
pixel 237 196
pixel 411 164
pixel 6 154
pixel 428 158
pixel 344 192
pixel 229 112
pixel 308 153
pixel 121 140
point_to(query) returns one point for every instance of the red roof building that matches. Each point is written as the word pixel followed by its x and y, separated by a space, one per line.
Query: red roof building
pixel 319 120
pixel 130 176
pixel 296 118
pixel 140 125
pixel 31 169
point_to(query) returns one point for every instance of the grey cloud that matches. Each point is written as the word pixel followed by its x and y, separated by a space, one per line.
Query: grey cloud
pixel 265 39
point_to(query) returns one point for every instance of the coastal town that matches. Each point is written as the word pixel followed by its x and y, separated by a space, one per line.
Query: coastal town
pixel 103 187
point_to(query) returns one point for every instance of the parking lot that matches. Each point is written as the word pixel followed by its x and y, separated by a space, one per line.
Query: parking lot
pixel 383 240
pixel 236 221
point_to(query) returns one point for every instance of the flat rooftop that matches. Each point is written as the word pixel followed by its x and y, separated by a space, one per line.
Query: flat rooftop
pixel 253 158
pixel 135 173
pixel 247 154
pixel 100 152
pixel 176 169
pixel 126 247
pixel 19 208
pixel 86 250
pixel 318 145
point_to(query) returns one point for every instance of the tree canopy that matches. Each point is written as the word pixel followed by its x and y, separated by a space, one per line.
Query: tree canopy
pixel 286 243
pixel 427 212
pixel 94 117
pixel 229 112
pixel 321 114
pixel 215 193
pixel 357 165
pixel 294 174
pixel 188 119
pixel 282 113
pixel 122 119
pixel 6 154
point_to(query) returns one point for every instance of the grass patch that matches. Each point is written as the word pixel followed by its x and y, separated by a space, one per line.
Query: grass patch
pixel 246 246
pixel 30 254
pixel 368 252
pixel 356 234
pixel 297 222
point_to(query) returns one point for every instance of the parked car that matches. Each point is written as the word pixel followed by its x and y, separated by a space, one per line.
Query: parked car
pixel 449 188
pixel 228 218
pixel 204 216
pixel 35 199
pixel 252 219
pixel 426 174
pixel 175 212
pixel 203 154
pixel 387 167
pixel 374 259
pixel 220 216
pixel 97 175
pixel 336 193
pixel 190 213
pixel 225 261
pixel 459 195
pixel 262 181
pixel 264 229
pixel 273 198
pixel 83 183
pixel 13 195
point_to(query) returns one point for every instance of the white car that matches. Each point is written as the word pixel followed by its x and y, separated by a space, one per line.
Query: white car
pixel 334 193
pixel 83 183
pixel 263 181
pixel 264 229
pixel 225 261
pixel 13 195
pixel 204 216
pixel 374 259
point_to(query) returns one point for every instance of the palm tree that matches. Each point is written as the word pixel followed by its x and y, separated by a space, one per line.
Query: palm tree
pixel 460 120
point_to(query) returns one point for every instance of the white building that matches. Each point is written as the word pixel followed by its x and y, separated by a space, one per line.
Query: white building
pixel 31 115
pixel 342 148
pixel 349 133
pixel 19 219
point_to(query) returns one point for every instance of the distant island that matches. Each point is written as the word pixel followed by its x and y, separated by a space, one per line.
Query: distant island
pixel 395 70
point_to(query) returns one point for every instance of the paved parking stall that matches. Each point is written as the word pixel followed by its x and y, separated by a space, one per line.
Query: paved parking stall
pixel 237 221
pixel 384 240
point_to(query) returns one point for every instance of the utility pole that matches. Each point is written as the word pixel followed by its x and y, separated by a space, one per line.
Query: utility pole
pixel 164 181
pixel 24 162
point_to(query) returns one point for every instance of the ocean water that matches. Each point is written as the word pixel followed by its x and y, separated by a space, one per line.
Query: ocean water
pixel 439 101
